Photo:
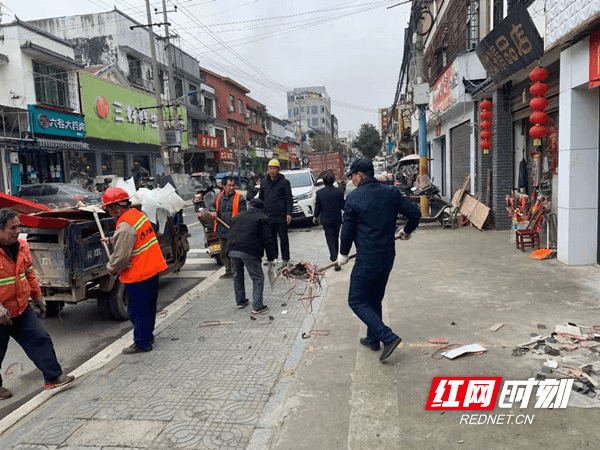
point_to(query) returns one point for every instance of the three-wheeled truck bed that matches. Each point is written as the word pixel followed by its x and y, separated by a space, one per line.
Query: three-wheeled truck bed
pixel 70 263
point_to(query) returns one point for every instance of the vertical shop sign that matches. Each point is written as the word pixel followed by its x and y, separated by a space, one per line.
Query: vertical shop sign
pixel 594 60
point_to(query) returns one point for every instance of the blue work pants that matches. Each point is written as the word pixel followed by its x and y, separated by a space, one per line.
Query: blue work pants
pixel 141 308
pixel 29 333
pixel 367 288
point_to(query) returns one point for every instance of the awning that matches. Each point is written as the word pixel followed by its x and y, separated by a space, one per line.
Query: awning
pixel 48 56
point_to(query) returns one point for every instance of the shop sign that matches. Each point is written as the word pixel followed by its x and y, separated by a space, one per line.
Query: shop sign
pixel 384 118
pixel 47 121
pixel 209 142
pixel 594 60
pixel 224 155
pixel 281 153
pixel 117 113
pixel 512 45
pixel 442 90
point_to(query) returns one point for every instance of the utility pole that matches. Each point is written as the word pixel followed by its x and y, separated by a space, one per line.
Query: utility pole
pixel 170 62
pixel 159 103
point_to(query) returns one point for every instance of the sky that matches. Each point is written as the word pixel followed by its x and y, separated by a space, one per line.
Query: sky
pixel 353 48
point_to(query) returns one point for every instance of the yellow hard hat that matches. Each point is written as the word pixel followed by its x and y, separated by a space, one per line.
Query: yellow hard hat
pixel 273 163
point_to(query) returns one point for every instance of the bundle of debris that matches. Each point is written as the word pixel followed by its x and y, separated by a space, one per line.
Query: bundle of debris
pixel 575 354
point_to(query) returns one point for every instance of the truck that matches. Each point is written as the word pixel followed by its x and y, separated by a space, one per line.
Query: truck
pixel 70 260
pixel 321 162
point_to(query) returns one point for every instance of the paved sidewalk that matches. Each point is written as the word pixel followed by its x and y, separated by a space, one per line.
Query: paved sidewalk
pixel 214 379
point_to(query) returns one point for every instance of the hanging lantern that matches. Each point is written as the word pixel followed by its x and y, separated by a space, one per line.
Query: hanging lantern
pixel 485 144
pixel 538 103
pixel 538 89
pixel 485 125
pixel 486 134
pixel 538 74
pixel 485 105
pixel 538 131
pixel 538 118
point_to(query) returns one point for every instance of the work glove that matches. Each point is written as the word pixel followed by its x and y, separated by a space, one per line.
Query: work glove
pixel 402 235
pixel 39 304
pixel 342 260
pixel 4 316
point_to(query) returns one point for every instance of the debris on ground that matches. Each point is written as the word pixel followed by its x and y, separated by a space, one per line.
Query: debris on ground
pixel 496 327
pixel 474 349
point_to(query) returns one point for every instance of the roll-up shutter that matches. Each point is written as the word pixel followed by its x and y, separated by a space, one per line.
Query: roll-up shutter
pixel 460 154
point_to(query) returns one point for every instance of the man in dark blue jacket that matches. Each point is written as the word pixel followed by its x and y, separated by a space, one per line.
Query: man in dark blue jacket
pixel 370 222
pixel 249 237
pixel 276 193
pixel 329 206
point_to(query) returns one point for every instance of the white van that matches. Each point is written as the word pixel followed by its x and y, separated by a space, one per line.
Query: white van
pixel 304 189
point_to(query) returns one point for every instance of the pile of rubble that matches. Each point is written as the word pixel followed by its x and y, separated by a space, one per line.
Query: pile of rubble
pixel 570 351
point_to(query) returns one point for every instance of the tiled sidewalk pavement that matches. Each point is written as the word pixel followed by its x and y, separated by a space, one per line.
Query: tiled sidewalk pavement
pixel 203 387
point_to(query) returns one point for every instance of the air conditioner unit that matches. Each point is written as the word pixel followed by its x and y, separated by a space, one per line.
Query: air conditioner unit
pixel 247 114
pixel 233 140
pixel 231 109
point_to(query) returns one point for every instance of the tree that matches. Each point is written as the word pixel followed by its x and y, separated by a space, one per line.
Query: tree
pixel 326 143
pixel 368 141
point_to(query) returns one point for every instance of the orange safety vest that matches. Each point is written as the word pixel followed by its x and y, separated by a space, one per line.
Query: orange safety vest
pixel 235 209
pixel 146 258
pixel 18 282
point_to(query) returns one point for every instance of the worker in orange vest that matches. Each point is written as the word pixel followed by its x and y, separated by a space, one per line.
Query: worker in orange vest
pixel 138 260
pixel 227 204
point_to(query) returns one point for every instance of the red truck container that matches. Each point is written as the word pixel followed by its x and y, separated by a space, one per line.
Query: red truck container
pixel 320 162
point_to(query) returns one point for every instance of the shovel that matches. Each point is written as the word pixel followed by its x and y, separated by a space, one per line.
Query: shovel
pixel 94 211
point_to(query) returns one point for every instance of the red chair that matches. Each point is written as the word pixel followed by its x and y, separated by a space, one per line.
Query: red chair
pixel 530 236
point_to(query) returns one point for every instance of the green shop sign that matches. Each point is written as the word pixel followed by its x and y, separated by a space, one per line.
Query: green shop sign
pixel 48 121
pixel 117 113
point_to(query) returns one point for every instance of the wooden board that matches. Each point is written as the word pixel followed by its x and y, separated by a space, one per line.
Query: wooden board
pixel 475 211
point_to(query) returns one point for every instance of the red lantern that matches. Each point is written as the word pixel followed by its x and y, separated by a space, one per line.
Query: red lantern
pixel 485 125
pixel 538 89
pixel 485 104
pixel 485 115
pixel 538 103
pixel 486 135
pixel 538 131
pixel 486 145
pixel 538 117
pixel 538 74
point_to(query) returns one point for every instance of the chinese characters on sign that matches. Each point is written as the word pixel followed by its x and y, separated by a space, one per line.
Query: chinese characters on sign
pixel 442 90
pixel 58 123
pixel 209 142
pixel 468 393
pixel 224 155
pixel 511 45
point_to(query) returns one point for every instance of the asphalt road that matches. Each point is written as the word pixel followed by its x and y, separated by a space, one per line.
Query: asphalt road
pixel 78 332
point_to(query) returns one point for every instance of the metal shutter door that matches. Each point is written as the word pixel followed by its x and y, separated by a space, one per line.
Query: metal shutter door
pixel 459 151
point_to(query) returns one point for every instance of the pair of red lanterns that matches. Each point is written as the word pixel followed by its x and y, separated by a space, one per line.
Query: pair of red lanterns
pixel 486 124
pixel 538 103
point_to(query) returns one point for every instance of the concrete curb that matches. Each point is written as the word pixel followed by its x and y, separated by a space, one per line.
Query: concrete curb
pixel 176 309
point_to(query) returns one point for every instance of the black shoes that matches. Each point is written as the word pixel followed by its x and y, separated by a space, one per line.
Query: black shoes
pixel 59 381
pixel 243 304
pixel 264 309
pixel 226 275
pixel 366 343
pixel 337 268
pixel 5 393
pixel 388 349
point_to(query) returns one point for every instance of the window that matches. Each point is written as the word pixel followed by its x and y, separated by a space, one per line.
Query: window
pixel 51 85
pixel 178 87
pixel 322 110
pixel 208 106
pixel 193 97
pixel 254 118
pixel 231 103
pixel 240 106
pixel 295 111
pixel 301 109
pixel 315 122
pixel 315 110
pixel 289 113
pixel 161 81
pixel 135 67
pixel 472 24
pixel 196 127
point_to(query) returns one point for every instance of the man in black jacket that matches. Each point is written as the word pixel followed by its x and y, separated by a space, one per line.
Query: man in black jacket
pixel 249 237
pixel 276 193
pixel 329 206
pixel 370 223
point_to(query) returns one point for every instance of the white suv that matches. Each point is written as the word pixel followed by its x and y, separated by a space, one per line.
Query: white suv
pixel 304 188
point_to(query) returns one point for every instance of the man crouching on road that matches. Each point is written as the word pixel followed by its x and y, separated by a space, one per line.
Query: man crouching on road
pixel 18 283
pixel 138 260
pixel 370 222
